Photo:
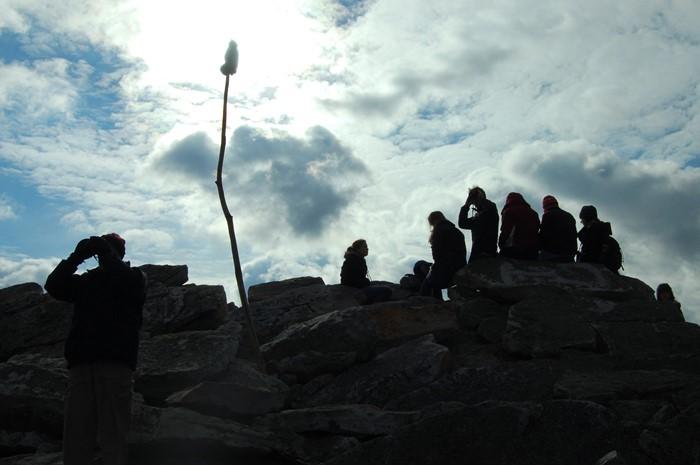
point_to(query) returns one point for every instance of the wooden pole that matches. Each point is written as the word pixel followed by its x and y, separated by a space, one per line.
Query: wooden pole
pixel 232 234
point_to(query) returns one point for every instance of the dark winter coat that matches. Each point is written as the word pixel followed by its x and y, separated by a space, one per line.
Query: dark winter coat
pixel 592 240
pixel 519 226
pixel 107 311
pixel 449 250
pixel 354 270
pixel 558 233
pixel 484 228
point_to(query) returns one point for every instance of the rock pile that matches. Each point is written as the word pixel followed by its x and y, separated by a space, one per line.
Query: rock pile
pixel 528 363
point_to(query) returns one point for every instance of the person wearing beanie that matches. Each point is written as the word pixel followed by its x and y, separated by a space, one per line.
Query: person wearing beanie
pixel 557 235
pixel 101 348
pixel 519 227
pixel 483 224
pixel 593 235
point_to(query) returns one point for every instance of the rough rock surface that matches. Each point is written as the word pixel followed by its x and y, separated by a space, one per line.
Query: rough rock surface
pixel 529 363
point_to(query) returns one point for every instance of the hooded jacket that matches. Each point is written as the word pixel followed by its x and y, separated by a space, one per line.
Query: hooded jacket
pixel 449 250
pixel 519 224
pixel 592 240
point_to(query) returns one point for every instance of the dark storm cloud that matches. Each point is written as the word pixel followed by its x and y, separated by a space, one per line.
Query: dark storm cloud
pixel 309 180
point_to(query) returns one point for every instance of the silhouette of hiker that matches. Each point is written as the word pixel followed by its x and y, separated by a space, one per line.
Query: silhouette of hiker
pixel 519 227
pixel 449 255
pixel 664 293
pixel 354 273
pixel 101 348
pixel 557 236
pixel 592 235
pixel 483 224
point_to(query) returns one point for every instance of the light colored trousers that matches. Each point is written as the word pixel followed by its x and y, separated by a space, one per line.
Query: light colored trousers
pixel 97 413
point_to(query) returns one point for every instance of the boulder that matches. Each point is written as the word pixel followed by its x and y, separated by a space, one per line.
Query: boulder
pixel 272 315
pixel 54 458
pixel 273 289
pixel 676 440
pixel 184 436
pixel 309 364
pixel 356 420
pixel 497 433
pixel 168 275
pixel 392 373
pixel 611 458
pixel 191 307
pixel 25 442
pixel 652 345
pixel 31 320
pixel 542 327
pixel 520 381
pixel 172 362
pixel 243 391
pixel 471 312
pixel 362 329
pixel 32 389
pixel 515 280
pixel 624 384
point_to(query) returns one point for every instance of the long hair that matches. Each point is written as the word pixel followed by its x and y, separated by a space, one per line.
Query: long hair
pixel 356 246
pixel 433 219
pixel 665 287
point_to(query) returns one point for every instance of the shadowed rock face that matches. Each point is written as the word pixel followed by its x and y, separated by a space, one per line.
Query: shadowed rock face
pixel 529 363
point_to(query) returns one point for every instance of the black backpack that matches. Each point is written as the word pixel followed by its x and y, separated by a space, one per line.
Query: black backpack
pixel 611 254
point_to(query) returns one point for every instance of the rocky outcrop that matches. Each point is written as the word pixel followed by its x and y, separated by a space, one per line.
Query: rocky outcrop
pixel 529 363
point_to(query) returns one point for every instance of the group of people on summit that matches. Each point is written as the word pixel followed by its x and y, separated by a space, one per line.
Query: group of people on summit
pixel 521 236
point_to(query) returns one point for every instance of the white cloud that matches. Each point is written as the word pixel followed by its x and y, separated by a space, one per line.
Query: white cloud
pixel 23 269
pixel 6 210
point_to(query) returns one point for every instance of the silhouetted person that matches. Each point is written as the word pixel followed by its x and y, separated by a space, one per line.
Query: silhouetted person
pixel 593 236
pixel 354 273
pixel 483 224
pixel 664 293
pixel 449 255
pixel 519 227
pixel 557 234
pixel 101 348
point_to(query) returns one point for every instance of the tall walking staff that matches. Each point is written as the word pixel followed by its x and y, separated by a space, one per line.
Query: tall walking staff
pixel 227 69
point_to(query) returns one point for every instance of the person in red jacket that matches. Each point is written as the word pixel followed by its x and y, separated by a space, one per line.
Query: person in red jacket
pixel 519 227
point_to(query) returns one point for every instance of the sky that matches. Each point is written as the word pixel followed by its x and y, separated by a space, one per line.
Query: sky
pixel 347 119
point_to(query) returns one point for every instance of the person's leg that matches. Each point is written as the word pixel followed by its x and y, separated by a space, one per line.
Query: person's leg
pixel 79 419
pixel 430 286
pixel 113 393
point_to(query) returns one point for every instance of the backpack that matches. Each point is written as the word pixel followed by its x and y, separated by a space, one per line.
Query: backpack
pixel 611 254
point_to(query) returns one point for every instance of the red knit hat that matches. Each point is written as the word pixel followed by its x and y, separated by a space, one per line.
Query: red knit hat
pixel 549 202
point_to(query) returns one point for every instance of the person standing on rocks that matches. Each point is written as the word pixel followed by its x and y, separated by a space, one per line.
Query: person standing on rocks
pixel 101 348
pixel 483 224
pixel 557 236
pixel 354 273
pixel 519 227
pixel 449 255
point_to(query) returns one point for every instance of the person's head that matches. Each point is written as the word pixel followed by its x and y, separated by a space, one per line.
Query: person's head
pixel 588 214
pixel 117 243
pixel 475 196
pixel 435 217
pixel 359 247
pixel 664 293
pixel 549 202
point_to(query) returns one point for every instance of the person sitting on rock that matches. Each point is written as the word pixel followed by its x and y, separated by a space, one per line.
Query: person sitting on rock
pixel 449 255
pixel 354 273
pixel 519 227
pixel 664 293
pixel 483 224
pixel 101 348
pixel 557 236
pixel 593 235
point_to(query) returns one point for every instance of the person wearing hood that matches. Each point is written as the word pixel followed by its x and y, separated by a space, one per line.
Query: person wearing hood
pixel 449 255
pixel 483 224
pixel 353 273
pixel 593 236
pixel 519 227
pixel 557 236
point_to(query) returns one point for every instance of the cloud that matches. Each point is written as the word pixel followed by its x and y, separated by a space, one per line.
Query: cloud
pixel 6 210
pixel 307 181
pixel 22 269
